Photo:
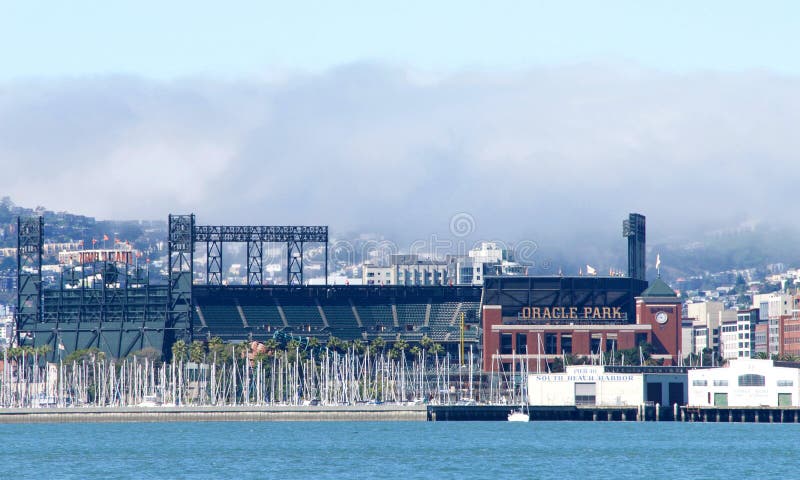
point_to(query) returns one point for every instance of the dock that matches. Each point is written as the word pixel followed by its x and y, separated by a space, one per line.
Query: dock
pixel 398 413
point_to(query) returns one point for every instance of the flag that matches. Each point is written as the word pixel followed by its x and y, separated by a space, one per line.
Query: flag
pixel 60 346
pixel 105 237
pixel 590 270
pixel 658 260
pixel 94 240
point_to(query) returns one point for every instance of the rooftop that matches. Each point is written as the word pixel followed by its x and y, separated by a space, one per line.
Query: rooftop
pixel 659 288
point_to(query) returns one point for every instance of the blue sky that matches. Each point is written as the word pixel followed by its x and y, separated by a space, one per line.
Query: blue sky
pixel 167 39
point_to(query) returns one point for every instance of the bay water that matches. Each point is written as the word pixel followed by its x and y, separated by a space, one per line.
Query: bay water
pixel 320 450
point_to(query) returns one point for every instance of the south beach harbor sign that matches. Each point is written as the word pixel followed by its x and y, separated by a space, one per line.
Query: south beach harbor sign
pixel 604 385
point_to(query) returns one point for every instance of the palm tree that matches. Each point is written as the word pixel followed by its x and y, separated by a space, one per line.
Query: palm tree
pixel 359 346
pixel 15 353
pixel 401 346
pixel 179 351
pixel 197 352
pixel 218 351
pixel 43 350
pixel 378 344
pixel 241 350
pixel 334 343
pixel 436 349
pixel 426 342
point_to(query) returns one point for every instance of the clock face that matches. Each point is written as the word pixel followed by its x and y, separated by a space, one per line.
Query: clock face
pixel 661 317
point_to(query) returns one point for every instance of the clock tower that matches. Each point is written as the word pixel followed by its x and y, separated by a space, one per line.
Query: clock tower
pixel 660 307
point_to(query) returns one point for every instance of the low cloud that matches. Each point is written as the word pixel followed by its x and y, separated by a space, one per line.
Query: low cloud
pixel 554 155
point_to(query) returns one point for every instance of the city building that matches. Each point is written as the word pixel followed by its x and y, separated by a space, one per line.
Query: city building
pixel 738 337
pixel 790 334
pixel 6 331
pixel 707 318
pixel 746 382
pixel 487 260
pixel 687 341
pixel 772 306
pixel 609 386
pixel 408 270
pixel 762 340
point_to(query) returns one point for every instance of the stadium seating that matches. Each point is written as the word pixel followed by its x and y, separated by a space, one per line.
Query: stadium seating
pixel 223 319
pixel 376 318
pixel 263 317
pixel 342 322
pixel 303 317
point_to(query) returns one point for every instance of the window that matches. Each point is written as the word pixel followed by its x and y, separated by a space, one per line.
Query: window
pixel 566 343
pixel 720 383
pixel 594 344
pixel 699 383
pixel 505 344
pixel 550 343
pixel 785 383
pixel 751 380
pixel 522 343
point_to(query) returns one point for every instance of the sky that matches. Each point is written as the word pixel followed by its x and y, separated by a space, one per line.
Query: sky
pixel 545 121
pixel 163 40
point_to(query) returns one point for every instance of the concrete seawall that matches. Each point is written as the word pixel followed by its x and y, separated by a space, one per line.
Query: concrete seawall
pixel 216 414
pixel 392 413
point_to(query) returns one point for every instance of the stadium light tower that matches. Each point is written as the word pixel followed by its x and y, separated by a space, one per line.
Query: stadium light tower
pixel 634 230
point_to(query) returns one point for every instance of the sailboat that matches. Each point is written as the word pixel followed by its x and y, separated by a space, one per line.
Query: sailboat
pixel 521 414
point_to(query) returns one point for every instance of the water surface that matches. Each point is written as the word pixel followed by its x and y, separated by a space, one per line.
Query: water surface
pixel 399 450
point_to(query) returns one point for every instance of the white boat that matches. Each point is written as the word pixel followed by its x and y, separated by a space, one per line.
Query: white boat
pixel 519 415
